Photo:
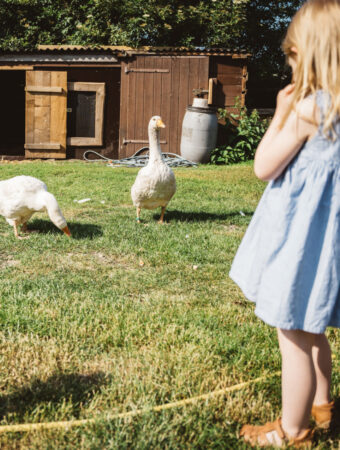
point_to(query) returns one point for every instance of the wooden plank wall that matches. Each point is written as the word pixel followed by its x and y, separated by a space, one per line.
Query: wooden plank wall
pixel 12 116
pixel 231 77
pixel 111 77
pixel 161 85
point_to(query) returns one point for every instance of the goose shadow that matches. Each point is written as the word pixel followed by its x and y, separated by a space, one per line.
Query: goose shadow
pixel 59 388
pixel 201 216
pixel 78 230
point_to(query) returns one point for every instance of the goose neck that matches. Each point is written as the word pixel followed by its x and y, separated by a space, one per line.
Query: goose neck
pixel 154 145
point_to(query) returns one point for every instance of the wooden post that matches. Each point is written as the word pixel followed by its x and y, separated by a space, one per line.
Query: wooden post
pixel 212 82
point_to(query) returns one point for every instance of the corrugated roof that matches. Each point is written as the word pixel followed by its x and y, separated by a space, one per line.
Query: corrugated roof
pixel 123 50
pixel 82 48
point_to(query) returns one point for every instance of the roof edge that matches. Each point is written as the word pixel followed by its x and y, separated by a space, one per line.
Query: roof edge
pixel 125 50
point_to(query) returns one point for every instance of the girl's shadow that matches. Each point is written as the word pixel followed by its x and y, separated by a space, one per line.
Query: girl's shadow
pixel 78 389
pixel 334 431
pixel 201 216
pixel 335 424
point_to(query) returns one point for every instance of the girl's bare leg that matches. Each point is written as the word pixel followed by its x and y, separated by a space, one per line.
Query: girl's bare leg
pixel 298 380
pixel 322 359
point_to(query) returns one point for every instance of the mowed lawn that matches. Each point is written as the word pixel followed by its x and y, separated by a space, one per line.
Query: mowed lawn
pixel 125 316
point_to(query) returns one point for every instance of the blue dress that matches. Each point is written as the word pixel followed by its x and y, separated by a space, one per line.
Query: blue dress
pixel 288 262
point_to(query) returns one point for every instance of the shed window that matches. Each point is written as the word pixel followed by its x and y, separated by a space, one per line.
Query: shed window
pixel 81 116
pixel 85 113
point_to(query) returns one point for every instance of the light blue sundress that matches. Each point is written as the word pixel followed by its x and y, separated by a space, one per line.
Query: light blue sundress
pixel 288 262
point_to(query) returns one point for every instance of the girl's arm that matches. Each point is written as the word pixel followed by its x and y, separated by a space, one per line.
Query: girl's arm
pixel 279 145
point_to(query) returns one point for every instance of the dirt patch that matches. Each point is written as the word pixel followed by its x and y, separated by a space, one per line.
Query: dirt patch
pixel 91 261
pixel 229 229
pixel 8 261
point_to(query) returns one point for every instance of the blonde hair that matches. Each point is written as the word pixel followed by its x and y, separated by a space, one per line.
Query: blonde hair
pixel 313 40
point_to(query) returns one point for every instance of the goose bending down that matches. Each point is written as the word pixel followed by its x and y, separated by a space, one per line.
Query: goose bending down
pixel 155 183
pixel 22 196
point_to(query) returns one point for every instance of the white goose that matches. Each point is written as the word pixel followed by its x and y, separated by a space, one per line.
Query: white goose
pixel 22 196
pixel 155 183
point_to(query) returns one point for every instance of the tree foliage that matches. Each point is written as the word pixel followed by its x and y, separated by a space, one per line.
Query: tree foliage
pixel 255 25
pixel 267 22
pixel 26 23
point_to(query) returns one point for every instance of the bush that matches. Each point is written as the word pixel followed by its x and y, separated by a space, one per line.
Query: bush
pixel 243 133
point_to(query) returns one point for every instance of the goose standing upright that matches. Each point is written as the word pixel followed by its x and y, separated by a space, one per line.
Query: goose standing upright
pixel 22 196
pixel 155 183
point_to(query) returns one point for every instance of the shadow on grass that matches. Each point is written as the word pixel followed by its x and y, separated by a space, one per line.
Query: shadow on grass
pixel 57 389
pixel 335 424
pixel 201 216
pixel 334 431
pixel 78 230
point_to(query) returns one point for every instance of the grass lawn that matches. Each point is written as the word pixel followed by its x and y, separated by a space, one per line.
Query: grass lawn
pixel 126 316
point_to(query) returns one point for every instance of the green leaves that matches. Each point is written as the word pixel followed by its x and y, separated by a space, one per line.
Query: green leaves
pixel 27 23
pixel 243 133
pixel 267 23
pixel 255 25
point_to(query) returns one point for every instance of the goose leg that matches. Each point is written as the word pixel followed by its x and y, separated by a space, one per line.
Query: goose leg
pixel 15 226
pixel 138 214
pixel 161 219
pixel 16 231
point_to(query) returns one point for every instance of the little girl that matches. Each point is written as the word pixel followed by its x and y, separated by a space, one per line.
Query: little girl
pixel 289 260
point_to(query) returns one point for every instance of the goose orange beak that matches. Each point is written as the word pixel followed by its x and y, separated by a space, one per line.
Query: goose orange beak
pixel 66 231
pixel 160 123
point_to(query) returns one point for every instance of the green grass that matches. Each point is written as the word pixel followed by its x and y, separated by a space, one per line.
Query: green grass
pixel 125 316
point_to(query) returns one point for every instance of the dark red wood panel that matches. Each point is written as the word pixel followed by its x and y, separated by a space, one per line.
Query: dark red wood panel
pixel 144 100
pixel 166 92
pixel 231 75
pixel 165 101
pixel 124 101
pixel 148 95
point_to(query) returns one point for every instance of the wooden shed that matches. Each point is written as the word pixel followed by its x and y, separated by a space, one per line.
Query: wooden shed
pixel 60 101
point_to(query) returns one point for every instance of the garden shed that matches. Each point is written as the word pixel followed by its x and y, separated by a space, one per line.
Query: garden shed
pixel 59 101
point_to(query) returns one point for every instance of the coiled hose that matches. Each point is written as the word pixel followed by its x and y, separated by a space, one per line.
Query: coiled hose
pixel 138 160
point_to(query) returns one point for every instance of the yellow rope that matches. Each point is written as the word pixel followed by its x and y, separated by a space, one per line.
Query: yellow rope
pixel 76 423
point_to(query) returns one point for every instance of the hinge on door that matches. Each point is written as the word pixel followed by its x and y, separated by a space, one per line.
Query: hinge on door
pixel 43 146
pixel 138 141
pixel 127 70
pixel 47 89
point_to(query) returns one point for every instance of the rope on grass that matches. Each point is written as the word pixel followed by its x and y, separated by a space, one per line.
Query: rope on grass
pixel 138 160
pixel 138 412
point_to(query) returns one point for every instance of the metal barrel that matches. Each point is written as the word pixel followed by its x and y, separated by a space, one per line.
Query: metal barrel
pixel 199 132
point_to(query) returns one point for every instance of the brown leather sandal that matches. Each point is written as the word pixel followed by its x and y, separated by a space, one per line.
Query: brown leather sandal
pixel 323 414
pixel 272 435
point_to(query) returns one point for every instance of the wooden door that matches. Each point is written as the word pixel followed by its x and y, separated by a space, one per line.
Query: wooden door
pixel 158 85
pixel 142 81
pixel 46 103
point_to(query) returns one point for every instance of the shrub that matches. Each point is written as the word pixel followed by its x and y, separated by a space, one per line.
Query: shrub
pixel 243 133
